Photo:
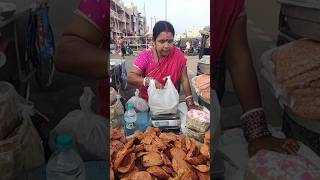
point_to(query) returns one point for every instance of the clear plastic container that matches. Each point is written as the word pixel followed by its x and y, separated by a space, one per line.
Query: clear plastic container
pixel 65 163
pixel 199 136
pixel 198 121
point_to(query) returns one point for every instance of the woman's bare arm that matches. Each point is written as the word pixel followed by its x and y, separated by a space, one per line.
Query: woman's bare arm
pixel 185 83
pixel 135 77
pixel 78 52
pixel 238 59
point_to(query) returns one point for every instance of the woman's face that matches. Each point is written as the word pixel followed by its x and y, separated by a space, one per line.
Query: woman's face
pixel 164 43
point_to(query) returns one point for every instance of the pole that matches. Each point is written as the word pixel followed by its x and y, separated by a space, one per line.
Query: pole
pixel 117 16
pixel 165 9
pixel 151 22
pixel 125 21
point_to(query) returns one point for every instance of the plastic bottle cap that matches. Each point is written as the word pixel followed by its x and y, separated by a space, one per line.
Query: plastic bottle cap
pixel 64 141
pixel 130 106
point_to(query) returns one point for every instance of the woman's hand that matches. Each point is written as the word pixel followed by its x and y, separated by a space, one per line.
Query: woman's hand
pixel 285 146
pixel 158 84
pixel 190 104
pixel 193 106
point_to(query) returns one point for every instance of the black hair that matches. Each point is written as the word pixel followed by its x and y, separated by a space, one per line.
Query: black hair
pixel 162 26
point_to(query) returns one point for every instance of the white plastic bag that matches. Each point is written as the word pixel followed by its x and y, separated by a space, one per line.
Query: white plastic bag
pixel 163 101
pixel 140 105
pixel 113 96
pixel 117 107
pixel 22 149
pixel 88 129
pixel 9 109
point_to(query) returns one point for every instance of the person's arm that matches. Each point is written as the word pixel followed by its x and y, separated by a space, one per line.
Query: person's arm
pixel 239 62
pixel 135 77
pixel 185 83
pixel 238 59
pixel 187 90
pixel 78 51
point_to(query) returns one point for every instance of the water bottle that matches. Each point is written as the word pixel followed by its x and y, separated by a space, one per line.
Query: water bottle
pixel 65 163
pixel 130 118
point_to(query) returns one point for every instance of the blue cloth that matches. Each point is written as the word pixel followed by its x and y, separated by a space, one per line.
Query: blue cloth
pixel 143 121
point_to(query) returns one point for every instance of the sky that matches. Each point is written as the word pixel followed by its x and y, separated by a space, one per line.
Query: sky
pixel 183 14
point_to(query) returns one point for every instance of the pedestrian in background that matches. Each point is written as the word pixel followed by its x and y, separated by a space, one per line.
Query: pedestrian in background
pixel 187 47
pixel 122 47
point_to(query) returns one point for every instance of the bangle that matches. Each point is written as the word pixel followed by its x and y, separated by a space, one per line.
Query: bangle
pixel 188 97
pixel 254 124
pixel 189 101
pixel 145 79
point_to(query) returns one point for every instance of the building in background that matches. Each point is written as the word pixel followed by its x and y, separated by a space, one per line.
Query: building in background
pixel 194 33
pixel 126 21
pixel 190 33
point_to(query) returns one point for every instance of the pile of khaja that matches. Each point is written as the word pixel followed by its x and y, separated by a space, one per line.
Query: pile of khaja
pixel 155 155
pixel 203 85
pixel 297 66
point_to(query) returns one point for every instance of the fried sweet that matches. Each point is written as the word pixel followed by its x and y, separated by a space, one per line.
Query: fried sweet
pixel 152 159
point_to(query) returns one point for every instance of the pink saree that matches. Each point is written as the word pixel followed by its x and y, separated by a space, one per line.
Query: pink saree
pixel 225 14
pixel 172 66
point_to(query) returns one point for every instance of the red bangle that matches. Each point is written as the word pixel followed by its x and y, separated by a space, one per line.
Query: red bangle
pixel 189 101
pixel 255 124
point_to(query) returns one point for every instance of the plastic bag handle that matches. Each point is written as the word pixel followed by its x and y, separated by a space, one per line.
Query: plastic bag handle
pixel 169 82
pixel 86 99
pixel 152 83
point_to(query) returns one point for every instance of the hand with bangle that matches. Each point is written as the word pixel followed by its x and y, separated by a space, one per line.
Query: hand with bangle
pixel 190 103
pixel 146 82
pixel 259 137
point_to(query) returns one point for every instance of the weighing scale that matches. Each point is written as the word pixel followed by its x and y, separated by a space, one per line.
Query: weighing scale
pixel 166 121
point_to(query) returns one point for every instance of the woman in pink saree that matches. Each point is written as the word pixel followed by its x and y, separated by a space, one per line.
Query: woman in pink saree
pixel 163 60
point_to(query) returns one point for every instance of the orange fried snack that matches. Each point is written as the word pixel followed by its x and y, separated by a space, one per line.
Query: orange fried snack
pixel 154 155
pixel 202 168
pixel 152 159
pixel 127 163
pixel 158 172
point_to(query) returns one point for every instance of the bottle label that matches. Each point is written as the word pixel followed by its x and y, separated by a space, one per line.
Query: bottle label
pixel 130 125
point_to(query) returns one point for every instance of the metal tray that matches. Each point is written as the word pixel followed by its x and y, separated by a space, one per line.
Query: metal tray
pixel 204 68
pixel 303 18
